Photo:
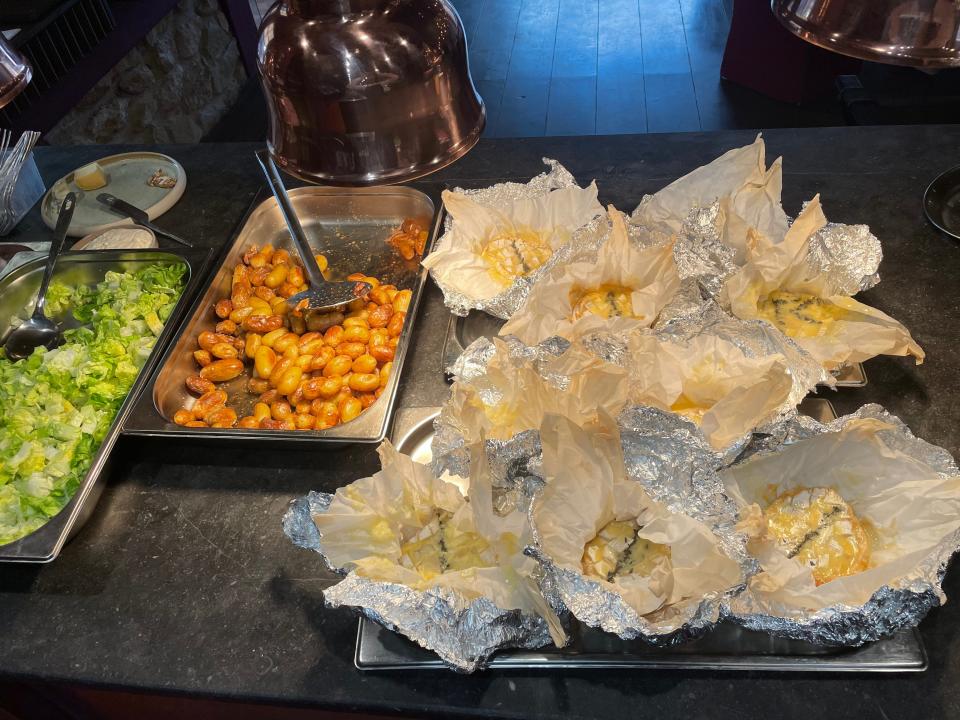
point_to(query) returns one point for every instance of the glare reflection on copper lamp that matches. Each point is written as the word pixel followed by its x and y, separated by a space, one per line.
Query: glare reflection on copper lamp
pixel 365 92
pixel 15 72
pixel 917 33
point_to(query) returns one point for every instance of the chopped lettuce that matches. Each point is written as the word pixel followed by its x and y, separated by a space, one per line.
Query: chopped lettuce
pixel 58 404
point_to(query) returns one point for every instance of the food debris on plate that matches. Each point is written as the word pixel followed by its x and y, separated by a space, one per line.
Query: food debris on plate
pixel 160 179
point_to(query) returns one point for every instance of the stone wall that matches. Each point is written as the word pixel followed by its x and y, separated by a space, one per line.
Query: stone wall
pixel 172 87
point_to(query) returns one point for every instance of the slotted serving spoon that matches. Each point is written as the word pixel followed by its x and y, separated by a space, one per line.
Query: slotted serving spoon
pixel 39 329
pixel 321 295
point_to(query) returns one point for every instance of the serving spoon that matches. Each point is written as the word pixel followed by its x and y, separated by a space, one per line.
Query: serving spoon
pixel 321 295
pixel 39 329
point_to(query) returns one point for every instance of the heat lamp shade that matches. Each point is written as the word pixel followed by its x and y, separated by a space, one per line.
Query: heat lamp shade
pixel 916 33
pixel 15 72
pixel 367 92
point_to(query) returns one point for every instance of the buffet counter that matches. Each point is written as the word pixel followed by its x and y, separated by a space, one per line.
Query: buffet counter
pixel 183 581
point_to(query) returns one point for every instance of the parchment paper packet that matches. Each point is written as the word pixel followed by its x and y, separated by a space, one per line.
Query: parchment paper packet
pixel 614 557
pixel 711 382
pixel 425 561
pixel 498 241
pixel 717 213
pixel 617 288
pixel 501 392
pixel 906 493
pixel 777 285
pixel 745 191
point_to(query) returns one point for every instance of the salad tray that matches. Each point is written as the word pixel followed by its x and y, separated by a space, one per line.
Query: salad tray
pixel 461 331
pixel 350 227
pixel 17 289
pixel 727 647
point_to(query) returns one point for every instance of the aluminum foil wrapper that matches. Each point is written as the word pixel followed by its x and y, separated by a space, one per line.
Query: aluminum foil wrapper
pixel 509 301
pixel 669 456
pixel 677 467
pixel 596 606
pixel 900 604
pixel 512 463
pixel 464 633
pixel 848 254
pixel 699 250
pixel 756 339
pixel 512 460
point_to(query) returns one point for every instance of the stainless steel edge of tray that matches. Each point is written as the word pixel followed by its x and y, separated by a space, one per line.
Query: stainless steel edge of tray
pixel 348 225
pixel 461 331
pixel 727 647
pixel 16 290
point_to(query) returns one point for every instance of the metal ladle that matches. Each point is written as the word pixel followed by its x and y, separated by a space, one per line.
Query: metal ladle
pixel 39 329
pixel 321 295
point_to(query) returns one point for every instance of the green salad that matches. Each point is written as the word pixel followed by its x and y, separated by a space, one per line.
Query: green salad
pixel 57 405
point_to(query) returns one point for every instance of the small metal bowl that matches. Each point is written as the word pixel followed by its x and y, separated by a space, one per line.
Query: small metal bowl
pixel 82 243
pixel 941 202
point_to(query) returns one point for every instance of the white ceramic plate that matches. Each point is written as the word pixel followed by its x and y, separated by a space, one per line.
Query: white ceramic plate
pixel 128 174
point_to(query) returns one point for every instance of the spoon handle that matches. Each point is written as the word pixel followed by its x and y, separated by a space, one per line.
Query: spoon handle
pixel 56 245
pixel 310 266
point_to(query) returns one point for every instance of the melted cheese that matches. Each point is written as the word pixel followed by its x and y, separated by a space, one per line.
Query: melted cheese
pixel 605 301
pixel 800 315
pixel 689 409
pixel 819 528
pixel 500 415
pixel 439 547
pixel 515 252
pixel 617 551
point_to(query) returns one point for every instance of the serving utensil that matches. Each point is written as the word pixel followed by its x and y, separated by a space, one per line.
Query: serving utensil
pixel 140 217
pixel 321 295
pixel 39 329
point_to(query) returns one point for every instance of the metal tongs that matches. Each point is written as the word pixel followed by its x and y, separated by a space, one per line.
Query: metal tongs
pixel 321 295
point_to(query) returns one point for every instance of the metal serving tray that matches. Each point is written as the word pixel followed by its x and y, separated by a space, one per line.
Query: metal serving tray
pixel 17 290
pixel 727 647
pixel 348 225
pixel 461 331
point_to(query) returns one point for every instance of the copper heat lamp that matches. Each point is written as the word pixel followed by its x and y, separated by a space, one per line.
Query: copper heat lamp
pixel 363 92
pixel 15 72
pixel 917 33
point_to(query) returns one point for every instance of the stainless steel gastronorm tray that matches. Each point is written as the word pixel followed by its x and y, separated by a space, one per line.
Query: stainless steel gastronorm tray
pixel 348 225
pixel 728 647
pixel 461 331
pixel 17 290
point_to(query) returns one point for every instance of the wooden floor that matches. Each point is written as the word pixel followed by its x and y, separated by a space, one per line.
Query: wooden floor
pixel 585 67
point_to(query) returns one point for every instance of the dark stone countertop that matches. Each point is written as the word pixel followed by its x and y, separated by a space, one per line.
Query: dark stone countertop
pixel 184 582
